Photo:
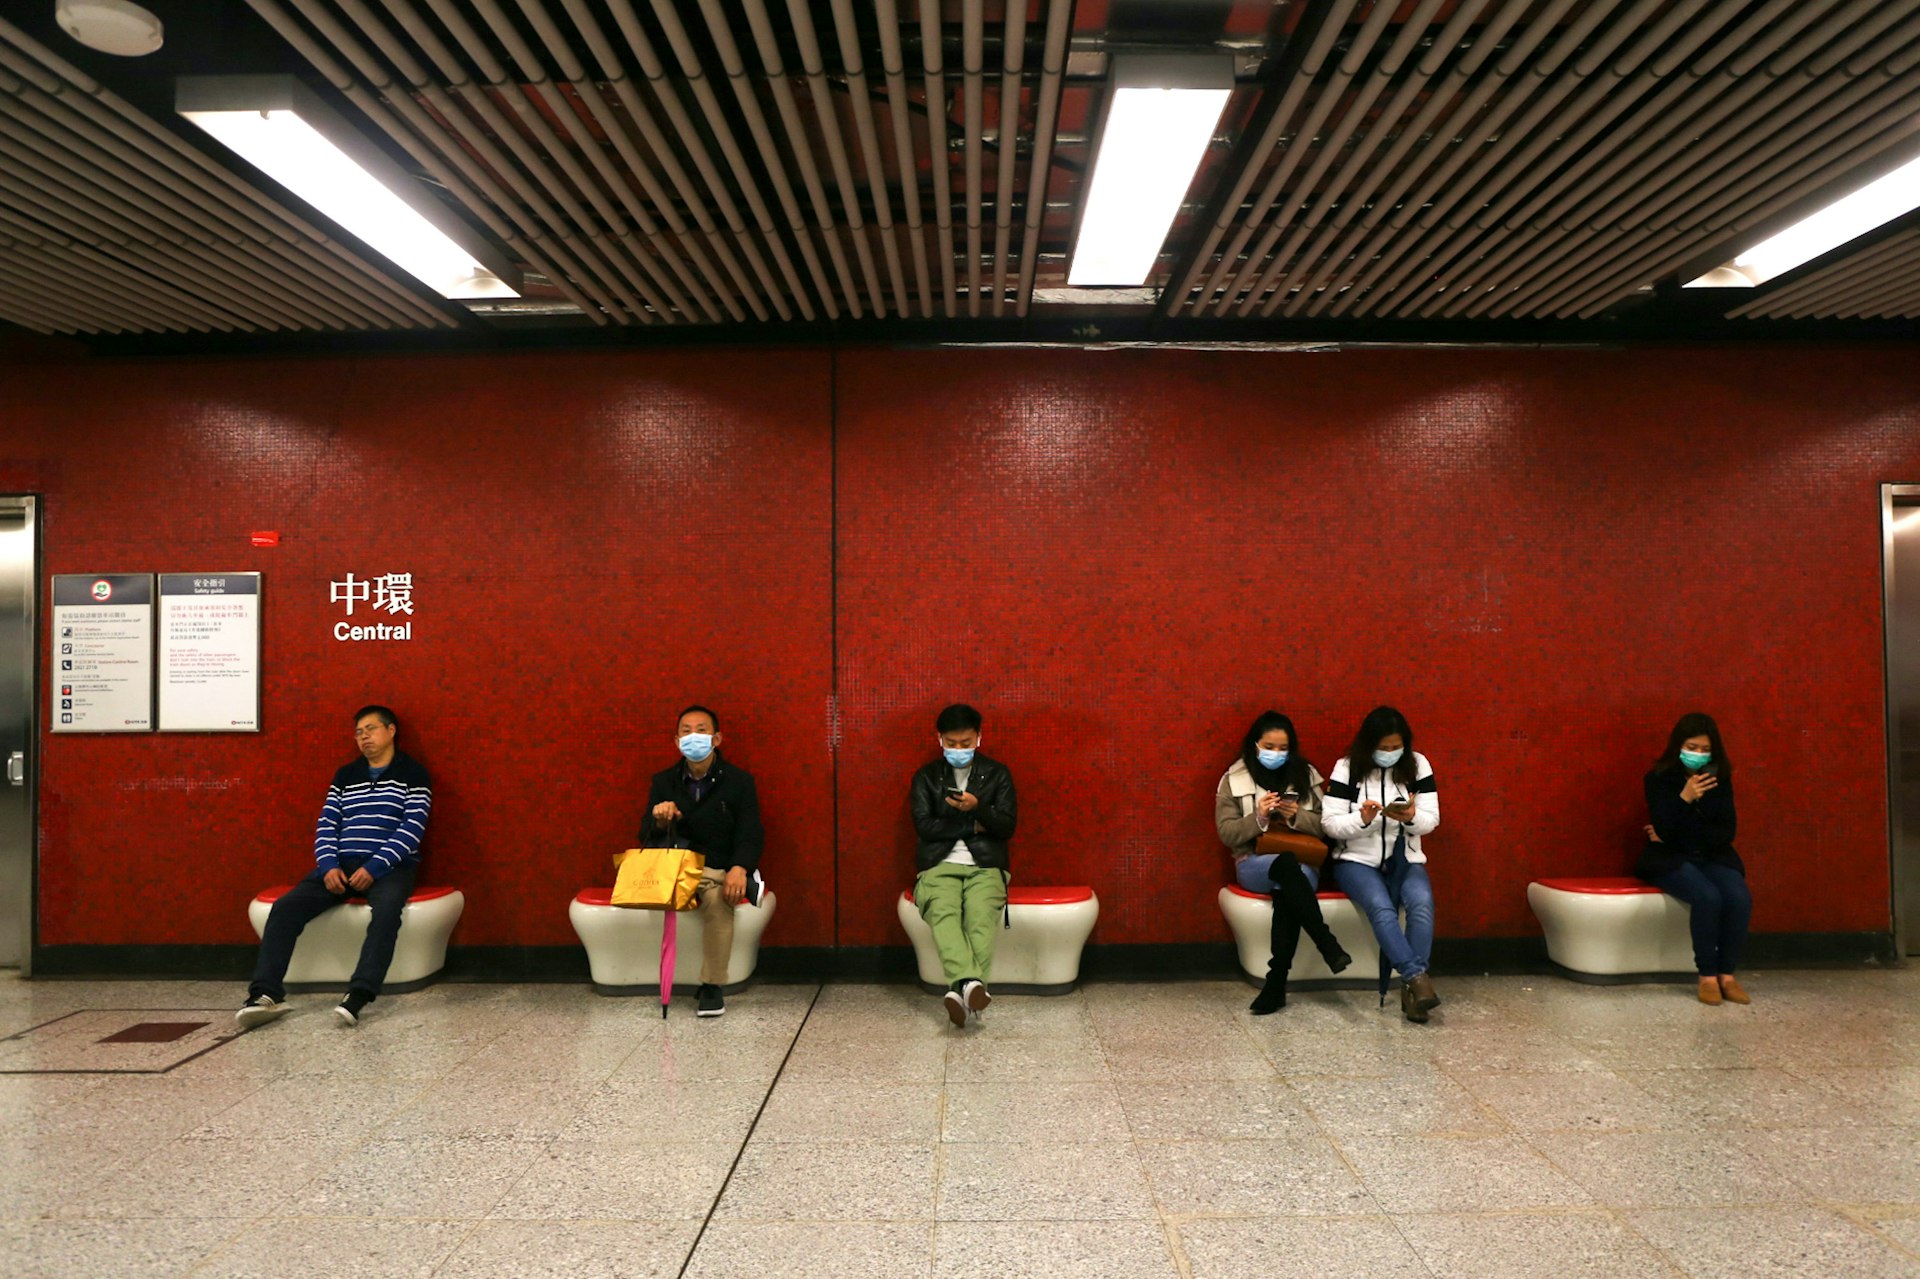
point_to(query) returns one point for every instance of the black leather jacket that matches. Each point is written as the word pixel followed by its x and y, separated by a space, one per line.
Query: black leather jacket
pixel 939 825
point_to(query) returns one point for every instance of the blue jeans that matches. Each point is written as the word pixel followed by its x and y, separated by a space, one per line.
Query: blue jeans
pixel 1254 874
pixel 1379 897
pixel 1719 907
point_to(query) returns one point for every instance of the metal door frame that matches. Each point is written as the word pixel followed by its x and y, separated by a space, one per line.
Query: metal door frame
pixel 30 661
pixel 1890 495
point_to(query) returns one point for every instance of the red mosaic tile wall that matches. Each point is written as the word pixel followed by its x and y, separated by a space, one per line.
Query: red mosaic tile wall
pixel 595 541
pixel 1121 557
pixel 1541 558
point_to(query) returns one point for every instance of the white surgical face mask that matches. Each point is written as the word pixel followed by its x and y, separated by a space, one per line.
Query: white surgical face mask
pixel 696 746
pixel 1387 759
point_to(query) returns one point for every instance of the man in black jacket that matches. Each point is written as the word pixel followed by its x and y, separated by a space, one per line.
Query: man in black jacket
pixel 710 806
pixel 963 812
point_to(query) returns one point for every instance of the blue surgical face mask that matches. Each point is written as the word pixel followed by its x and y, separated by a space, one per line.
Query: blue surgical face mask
pixel 1387 759
pixel 1695 760
pixel 696 746
pixel 1271 760
pixel 958 758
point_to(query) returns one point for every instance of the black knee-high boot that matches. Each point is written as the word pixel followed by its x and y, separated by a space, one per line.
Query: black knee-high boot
pixel 1285 936
pixel 1290 883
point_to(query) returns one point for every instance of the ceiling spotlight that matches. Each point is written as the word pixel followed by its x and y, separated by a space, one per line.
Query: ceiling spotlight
pixel 111 26
pixel 279 126
pixel 1161 119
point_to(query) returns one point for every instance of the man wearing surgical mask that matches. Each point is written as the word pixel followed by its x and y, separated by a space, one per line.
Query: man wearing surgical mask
pixel 709 805
pixel 964 814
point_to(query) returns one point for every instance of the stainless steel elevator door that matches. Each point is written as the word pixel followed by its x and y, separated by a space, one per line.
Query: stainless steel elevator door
pixel 18 709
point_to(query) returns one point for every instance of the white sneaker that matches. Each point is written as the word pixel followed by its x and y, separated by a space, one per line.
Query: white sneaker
pixel 977 997
pixel 956 1008
pixel 258 1011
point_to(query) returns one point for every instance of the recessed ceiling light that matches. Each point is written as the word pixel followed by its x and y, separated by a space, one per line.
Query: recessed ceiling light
pixel 1847 218
pixel 279 126
pixel 110 26
pixel 1161 119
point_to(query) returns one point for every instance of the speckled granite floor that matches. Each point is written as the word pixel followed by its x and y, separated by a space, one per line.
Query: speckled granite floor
pixel 1536 1127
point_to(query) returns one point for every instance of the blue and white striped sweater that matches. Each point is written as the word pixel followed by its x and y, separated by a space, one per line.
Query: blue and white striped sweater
pixel 378 825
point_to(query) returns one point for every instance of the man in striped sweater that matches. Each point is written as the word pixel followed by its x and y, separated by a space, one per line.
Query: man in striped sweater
pixel 367 843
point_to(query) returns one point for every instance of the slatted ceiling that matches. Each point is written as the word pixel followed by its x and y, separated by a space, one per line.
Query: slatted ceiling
pixel 1880 281
pixel 762 162
pixel 1543 159
pixel 111 224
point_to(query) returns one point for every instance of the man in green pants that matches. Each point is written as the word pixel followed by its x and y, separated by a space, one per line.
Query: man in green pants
pixel 963 813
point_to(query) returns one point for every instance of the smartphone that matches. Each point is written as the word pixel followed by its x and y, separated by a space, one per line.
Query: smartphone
pixel 1290 794
pixel 954 793
pixel 1710 770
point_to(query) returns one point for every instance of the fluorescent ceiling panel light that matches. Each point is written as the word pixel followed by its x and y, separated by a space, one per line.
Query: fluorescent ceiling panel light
pixel 1848 218
pixel 277 125
pixel 1162 117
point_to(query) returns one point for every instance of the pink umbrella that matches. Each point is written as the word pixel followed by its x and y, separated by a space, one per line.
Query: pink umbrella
pixel 669 951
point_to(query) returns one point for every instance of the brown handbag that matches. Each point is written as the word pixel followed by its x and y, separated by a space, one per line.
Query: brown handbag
pixel 1308 850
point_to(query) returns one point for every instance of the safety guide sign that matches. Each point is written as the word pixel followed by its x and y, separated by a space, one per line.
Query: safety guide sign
pixel 210 652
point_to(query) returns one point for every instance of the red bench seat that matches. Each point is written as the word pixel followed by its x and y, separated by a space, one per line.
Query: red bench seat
pixel 1323 895
pixel 1028 895
pixel 1606 885
pixel 274 894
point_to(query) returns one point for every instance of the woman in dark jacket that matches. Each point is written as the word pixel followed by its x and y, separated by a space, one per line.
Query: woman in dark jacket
pixel 1690 851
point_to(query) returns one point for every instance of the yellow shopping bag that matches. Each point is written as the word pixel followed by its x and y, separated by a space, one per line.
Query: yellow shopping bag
pixel 657 878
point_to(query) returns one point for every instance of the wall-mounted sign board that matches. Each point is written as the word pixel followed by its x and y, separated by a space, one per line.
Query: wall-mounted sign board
pixel 209 672
pixel 102 667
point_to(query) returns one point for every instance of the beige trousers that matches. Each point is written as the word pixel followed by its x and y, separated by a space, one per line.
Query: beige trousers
pixel 716 926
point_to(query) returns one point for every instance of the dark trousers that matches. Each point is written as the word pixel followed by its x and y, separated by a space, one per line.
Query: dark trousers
pixel 307 901
pixel 1720 907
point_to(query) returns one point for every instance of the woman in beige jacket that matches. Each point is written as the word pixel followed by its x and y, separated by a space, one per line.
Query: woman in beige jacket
pixel 1271 786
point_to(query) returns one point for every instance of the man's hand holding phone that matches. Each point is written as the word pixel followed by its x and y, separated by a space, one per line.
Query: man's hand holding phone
pixel 965 801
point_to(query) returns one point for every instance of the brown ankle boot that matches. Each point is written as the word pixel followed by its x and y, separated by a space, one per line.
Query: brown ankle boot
pixel 1410 1005
pixel 1423 993
pixel 1709 990
pixel 1732 991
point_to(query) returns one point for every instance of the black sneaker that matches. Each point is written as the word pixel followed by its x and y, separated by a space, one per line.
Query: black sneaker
pixel 349 1010
pixel 258 1011
pixel 710 1002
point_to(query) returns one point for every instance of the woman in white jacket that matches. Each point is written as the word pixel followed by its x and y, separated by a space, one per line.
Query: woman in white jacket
pixel 1380 801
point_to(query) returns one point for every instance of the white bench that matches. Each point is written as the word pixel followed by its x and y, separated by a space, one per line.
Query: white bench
pixel 623 944
pixel 329 947
pixel 1038 953
pixel 1250 915
pixel 1608 928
